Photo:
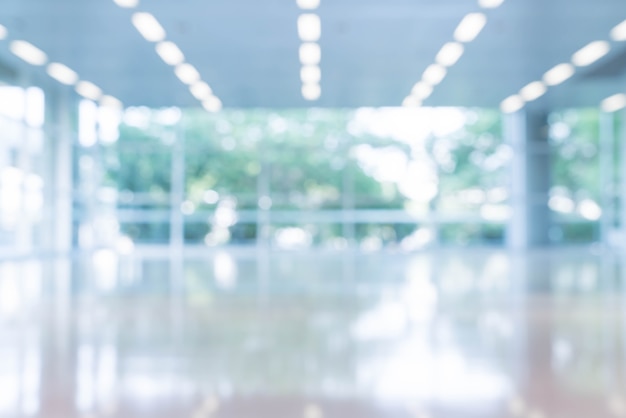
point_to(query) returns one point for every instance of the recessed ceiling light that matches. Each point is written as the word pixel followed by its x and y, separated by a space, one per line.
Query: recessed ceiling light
pixel 411 101
pixel 619 32
pixel 310 54
pixel 309 27
pixel 88 90
pixel 434 74
pixel 512 104
pixel 422 90
pixel 128 4
pixel 212 104
pixel 3 32
pixel 590 53
pixel 490 4
pixel 28 52
pixel 112 102
pixel 170 53
pixel 308 4
pixel 187 73
pixel 201 90
pixel 449 54
pixel 62 74
pixel 470 27
pixel 311 91
pixel 533 91
pixel 614 103
pixel 558 74
pixel 310 74
pixel 148 27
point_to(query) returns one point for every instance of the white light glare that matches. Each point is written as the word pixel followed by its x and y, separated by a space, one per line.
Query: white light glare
pixel 111 102
pixel 422 90
pixel 411 101
pixel 614 103
pixel 62 74
pixel 127 4
pixel 170 53
pixel 310 74
pixel 512 104
pixel 490 4
pixel 28 52
pixel 3 32
pixel 88 90
pixel 201 90
pixel 187 73
pixel 618 33
pixel 311 92
pixel 434 74
pixel 470 27
pixel 533 91
pixel 148 27
pixel 590 53
pixel 308 4
pixel 450 54
pixel 558 74
pixel 309 27
pixel 212 104
pixel 310 54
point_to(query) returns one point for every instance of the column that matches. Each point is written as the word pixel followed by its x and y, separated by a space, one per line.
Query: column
pixel 530 179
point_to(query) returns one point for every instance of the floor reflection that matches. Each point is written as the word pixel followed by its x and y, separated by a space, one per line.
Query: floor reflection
pixel 300 334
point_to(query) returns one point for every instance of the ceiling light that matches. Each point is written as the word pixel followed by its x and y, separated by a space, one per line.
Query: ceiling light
pixel 88 90
pixel 212 104
pixel 3 32
pixel 309 27
pixel 62 74
pixel 310 74
pixel 311 91
pixel 28 52
pixel 449 54
pixel 434 74
pixel 187 73
pixel 590 53
pixel 619 32
pixel 533 91
pixel 512 104
pixel 170 53
pixel 614 103
pixel 201 90
pixel 308 4
pixel 128 4
pixel 422 90
pixel 148 27
pixel 558 74
pixel 490 4
pixel 111 102
pixel 310 54
pixel 470 27
pixel 411 101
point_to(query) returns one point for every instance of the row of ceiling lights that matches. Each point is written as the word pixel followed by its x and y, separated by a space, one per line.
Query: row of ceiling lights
pixel 310 31
pixel 468 29
pixel 32 55
pixel 560 73
pixel 152 31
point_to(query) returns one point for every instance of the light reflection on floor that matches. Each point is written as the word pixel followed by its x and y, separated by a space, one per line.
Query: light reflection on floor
pixel 251 333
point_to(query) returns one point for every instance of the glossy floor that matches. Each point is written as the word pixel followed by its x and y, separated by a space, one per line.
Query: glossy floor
pixel 218 333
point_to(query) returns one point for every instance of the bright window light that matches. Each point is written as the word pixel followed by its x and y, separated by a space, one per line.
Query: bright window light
pixel 422 90
pixel 310 74
pixel 3 32
pixel 87 123
pixel 533 91
pixel 62 74
pixel 590 53
pixel 490 4
pixel 170 53
pixel 411 101
pixel 614 103
pixel 309 27
pixel 512 104
pixel 310 54
pixel 308 4
pixel 111 102
pixel 434 74
pixel 187 73
pixel 128 4
pixel 311 92
pixel 558 74
pixel 88 90
pixel 201 90
pixel 470 27
pixel 28 52
pixel 212 104
pixel 35 107
pixel 450 54
pixel 619 32
pixel 148 27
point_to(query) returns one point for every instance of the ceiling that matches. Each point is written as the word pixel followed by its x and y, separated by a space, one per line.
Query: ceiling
pixel 373 51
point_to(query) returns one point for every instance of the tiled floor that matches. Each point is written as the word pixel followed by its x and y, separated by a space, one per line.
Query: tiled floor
pixel 453 333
